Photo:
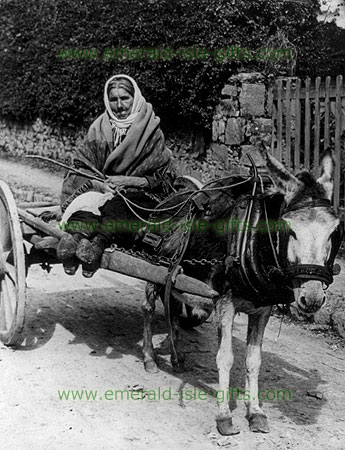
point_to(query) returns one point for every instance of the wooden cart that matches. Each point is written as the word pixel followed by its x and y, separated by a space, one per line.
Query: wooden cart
pixel 22 223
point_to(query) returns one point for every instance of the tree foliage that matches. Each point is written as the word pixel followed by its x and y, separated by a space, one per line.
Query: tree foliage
pixel 36 83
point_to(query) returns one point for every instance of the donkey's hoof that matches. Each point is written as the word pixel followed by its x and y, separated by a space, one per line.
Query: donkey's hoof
pixel 258 423
pixel 226 427
pixel 151 366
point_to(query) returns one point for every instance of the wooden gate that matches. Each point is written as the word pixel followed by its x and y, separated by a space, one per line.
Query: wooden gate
pixel 308 117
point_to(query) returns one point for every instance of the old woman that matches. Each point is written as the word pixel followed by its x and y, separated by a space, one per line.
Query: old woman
pixel 125 147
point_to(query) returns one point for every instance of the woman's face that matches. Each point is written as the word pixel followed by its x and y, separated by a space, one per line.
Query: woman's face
pixel 120 102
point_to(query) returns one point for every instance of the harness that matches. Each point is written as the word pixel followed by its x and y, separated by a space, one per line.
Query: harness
pixel 257 264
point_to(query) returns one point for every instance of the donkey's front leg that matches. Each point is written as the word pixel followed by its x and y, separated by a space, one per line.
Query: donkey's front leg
pixel 256 327
pixel 225 358
pixel 148 307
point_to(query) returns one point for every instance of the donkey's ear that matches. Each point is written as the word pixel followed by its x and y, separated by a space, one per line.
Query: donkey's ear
pixel 287 184
pixel 327 171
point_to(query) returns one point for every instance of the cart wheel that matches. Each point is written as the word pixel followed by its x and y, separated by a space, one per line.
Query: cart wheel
pixel 190 320
pixel 12 269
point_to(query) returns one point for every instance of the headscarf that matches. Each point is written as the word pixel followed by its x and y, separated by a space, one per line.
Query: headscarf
pixel 141 150
pixel 120 126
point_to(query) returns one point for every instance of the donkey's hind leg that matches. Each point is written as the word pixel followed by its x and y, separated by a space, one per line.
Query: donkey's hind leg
pixel 175 335
pixel 256 327
pixel 225 358
pixel 148 307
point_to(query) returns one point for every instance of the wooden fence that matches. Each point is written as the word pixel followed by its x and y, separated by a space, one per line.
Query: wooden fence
pixel 308 117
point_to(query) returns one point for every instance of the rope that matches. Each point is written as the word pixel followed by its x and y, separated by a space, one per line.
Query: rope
pixel 142 219
pixel 181 193
pixel 150 209
pixel 130 202
pixel 225 187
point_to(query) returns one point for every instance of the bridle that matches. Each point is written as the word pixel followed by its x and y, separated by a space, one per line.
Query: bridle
pixel 309 271
pixel 271 281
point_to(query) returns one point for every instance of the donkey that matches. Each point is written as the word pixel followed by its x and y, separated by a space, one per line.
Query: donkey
pixel 301 255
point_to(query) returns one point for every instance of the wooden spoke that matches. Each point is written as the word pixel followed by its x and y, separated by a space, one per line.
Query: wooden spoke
pixel 11 272
pixel 3 324
pixel 12 283
pixel 9 300
pixel 6 255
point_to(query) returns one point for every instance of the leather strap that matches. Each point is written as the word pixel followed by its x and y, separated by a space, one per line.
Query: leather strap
pixel 309 272
pixel 173 270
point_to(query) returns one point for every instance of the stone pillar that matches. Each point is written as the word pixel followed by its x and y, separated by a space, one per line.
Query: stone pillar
pixel 242 121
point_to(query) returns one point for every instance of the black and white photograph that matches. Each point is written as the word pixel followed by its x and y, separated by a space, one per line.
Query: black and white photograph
pixel 172 217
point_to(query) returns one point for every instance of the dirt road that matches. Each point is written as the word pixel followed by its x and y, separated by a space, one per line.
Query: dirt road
pixel 86 335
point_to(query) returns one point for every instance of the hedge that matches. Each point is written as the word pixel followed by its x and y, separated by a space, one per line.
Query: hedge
pixel 37 83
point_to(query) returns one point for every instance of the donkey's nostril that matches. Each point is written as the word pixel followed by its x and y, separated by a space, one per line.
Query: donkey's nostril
pixel 303 300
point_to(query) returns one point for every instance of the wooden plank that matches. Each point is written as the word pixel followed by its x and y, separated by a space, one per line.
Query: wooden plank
pixel 27 230
pixel 129 265
pixel 327 112
pixel 312 92
pixel 288 123
pixel 26 205
pixel 297 127
pixel 143 270
pixel 38 211
pixel 279 121
pixel 337 147
pixel 317 128
pixel 38 224
pixel 307 126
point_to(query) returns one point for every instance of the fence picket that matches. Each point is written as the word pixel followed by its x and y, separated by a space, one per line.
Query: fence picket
pixel 297 159
pixel 327 111
pixel 337 147
pixel 307 125
pixel 311 115
pixel 317 127
pixel 288 124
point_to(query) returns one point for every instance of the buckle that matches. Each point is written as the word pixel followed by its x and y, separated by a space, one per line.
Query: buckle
pixel 152 239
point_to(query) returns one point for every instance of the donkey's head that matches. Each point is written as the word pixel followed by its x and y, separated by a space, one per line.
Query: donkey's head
pixel 309 243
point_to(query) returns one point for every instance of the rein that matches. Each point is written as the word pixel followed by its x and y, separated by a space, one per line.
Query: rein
pixel 130 204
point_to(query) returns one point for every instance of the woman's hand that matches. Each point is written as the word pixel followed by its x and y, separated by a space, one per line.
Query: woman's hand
pixel 126 181
pixel 101 186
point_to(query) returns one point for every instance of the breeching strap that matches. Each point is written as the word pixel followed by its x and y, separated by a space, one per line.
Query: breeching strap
pixel 174 267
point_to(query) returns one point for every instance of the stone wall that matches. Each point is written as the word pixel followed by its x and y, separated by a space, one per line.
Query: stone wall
pixel 242 121
pixel 38 139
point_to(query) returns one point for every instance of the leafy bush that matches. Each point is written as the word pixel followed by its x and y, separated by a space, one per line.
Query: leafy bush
pixel 36 83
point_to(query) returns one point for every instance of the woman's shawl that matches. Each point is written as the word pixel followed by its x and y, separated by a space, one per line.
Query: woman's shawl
pixel 142 153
